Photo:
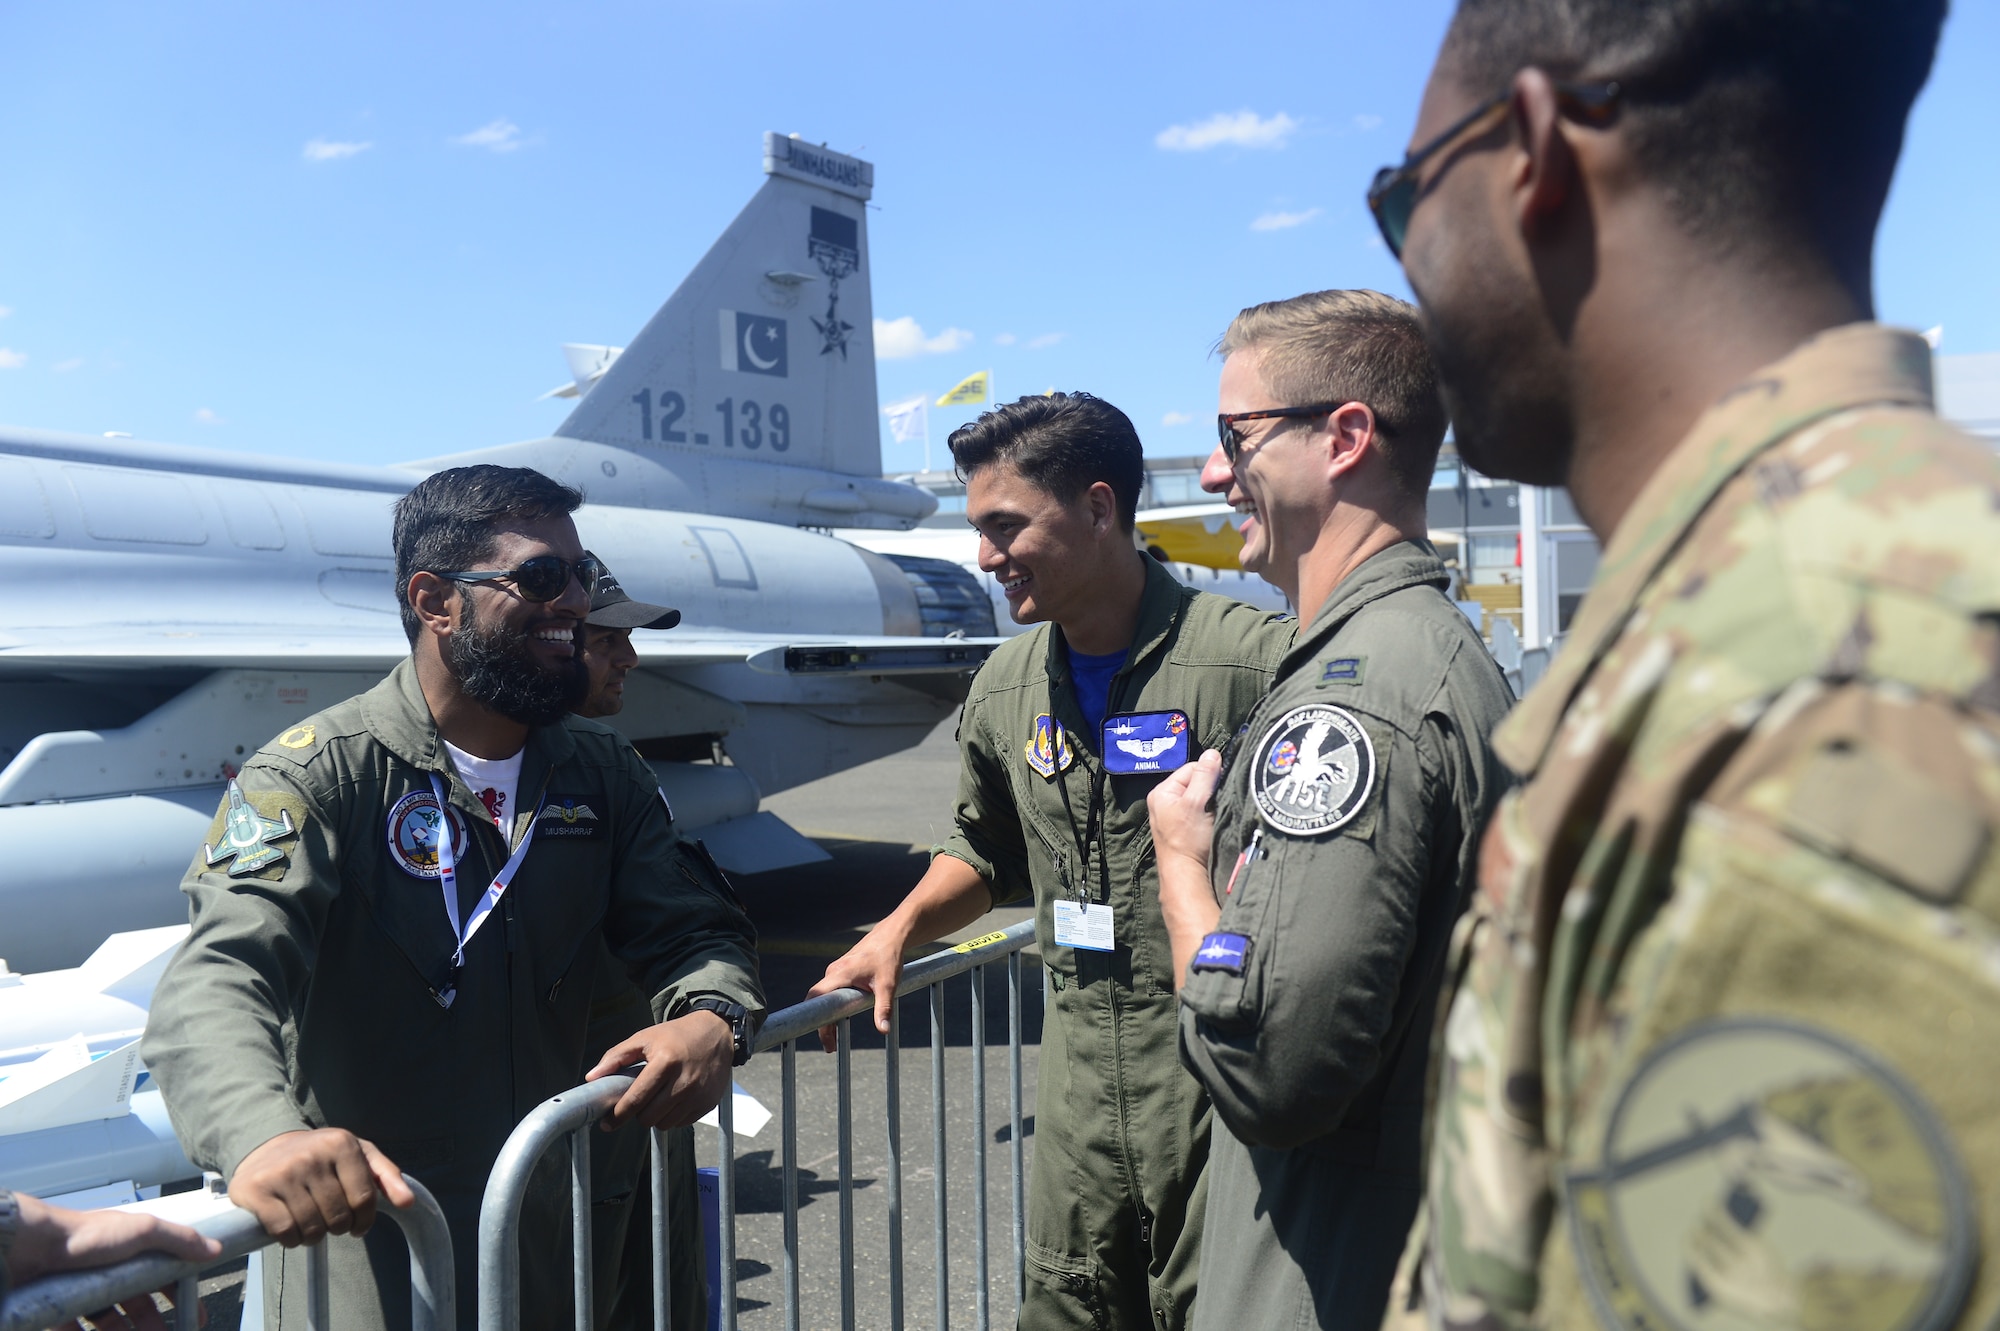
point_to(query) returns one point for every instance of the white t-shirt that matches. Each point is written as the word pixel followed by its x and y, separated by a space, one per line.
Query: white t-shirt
pixel 494 780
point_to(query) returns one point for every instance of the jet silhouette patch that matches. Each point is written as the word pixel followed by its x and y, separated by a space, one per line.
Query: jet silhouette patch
pixel 1314 770
pixel 1145 742
pixel 1765 1173
pixel 246 836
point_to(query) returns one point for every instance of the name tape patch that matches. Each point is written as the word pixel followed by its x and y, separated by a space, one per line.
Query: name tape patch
pixel 1145 742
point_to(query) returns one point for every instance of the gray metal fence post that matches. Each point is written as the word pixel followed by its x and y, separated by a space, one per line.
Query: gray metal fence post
pixel 187 1303
pixel 663 1308
pixel 791 1147
pixel 725 1178
pixel 579 1226
pixel 1014 1131
pixel 319 1315
pixel 844 1046
pixel 893 1089
pixel 940 1208
pixel 982 1309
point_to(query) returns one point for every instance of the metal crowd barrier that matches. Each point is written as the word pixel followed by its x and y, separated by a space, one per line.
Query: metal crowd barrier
pixel 572 1113
pixel 58 1300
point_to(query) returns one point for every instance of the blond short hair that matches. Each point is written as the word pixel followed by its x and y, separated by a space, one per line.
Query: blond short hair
pixel 1353 346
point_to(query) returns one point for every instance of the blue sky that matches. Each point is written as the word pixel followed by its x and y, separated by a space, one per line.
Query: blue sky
pixel 178 261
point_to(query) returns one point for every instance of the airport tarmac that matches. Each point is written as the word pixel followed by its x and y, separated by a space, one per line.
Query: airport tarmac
pixel 878 822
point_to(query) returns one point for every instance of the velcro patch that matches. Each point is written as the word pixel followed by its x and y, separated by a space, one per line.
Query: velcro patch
pixel 567 816
pixel 1145 742
pixel 1222 952
pixel 1342 670
pixel 1313 770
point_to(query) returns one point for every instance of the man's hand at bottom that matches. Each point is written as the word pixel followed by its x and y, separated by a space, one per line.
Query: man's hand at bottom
pixel 686 1074
pixel 302 1186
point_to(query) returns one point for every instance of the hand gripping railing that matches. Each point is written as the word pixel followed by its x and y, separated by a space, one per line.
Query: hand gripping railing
pixel 58 1300
pixel 573 1112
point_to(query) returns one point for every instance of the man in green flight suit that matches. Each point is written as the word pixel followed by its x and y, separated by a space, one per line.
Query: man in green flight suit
pixel 1721 1045
pixel 1066 730
pixel 1310 910
pixel 355 1000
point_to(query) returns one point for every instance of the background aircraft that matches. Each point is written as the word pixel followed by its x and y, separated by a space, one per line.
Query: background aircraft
pixel 170 610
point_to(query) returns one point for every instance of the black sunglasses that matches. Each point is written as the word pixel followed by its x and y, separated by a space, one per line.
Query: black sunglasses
pixel 1232 438
pixel 543 578
pixel 1392 197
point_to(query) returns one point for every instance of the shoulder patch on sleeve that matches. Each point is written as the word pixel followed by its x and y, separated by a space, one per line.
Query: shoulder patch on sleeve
pixel 253 833
pixel 1861 804
pixel 1313 770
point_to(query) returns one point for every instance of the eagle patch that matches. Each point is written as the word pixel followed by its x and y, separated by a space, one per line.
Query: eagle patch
pixel 1313 771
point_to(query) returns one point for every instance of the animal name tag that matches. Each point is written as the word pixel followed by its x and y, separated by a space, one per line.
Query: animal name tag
pixel 1145 742
pixel 1087 928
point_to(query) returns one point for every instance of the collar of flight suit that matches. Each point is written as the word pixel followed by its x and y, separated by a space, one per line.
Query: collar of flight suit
pixel 1856 365
pixel 1160 605
pixel 1404 564
pixel 399 717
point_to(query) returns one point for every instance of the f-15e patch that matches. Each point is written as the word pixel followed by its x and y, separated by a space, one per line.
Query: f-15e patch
pixel 1314 770
pixel 246 836
pixel 1145 742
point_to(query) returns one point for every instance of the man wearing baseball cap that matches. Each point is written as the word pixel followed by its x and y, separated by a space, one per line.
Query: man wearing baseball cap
pixel 620 1188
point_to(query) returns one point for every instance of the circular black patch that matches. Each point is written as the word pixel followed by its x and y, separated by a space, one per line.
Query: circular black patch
pixel 1313 770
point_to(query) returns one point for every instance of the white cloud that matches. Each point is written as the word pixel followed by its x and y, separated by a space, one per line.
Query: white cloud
pixel 11 359
pixel 6 310
pixel 1367 122
pixel 1280 221
pixel 1045 340
pixel 65 366
pixel 1005 340
pixel 1244 129
pixel 900 339
pixel 207 416
pixel 1176 418
pixel 500 136
pixel 327 150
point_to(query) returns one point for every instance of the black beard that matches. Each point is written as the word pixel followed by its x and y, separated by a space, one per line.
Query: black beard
pixel 494 669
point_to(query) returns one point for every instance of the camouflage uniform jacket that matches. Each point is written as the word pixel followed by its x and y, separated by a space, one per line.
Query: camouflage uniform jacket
pixel 1728 997
pixel 307 994
pixel 1121 1129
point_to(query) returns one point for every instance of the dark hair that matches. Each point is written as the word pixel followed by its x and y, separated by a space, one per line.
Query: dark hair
pixel 1062 442
pixel 448 522
pixel 1361 346
pixel 1767 122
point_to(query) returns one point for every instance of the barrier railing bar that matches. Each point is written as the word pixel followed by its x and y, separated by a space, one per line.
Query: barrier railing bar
pixel 844 1047
pixel 893 1093
pixel 791 1107
pixel 940 1208
pixel 1014 1119
pixel 579 1225
pixel 725 1178
pixel 982 1313
pixel 663 1315
pixel 804 1018
pixel 319 1294
pixel 62 1299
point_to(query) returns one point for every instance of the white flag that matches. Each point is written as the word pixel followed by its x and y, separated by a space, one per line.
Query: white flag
pixel 907 419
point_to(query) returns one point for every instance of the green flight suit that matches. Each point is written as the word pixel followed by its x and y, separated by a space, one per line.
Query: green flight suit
pixel 307 994
pixel 1121 1129
pixel 1359 787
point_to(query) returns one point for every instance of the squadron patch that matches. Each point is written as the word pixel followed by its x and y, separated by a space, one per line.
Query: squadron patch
pixel 247 835
pixel 414 825
pixel 1768 1173
pixel 1313 770
pixel 1048 748
pixel 567 816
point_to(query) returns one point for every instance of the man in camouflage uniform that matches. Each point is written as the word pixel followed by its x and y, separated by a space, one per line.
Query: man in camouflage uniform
pixel 1066 731
pixel 1726 1004
pixel 1310 910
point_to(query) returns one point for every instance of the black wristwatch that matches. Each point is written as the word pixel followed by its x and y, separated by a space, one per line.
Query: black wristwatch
pixel 741 1032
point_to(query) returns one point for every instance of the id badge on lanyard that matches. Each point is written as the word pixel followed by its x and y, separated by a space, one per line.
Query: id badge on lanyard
pixel 448 881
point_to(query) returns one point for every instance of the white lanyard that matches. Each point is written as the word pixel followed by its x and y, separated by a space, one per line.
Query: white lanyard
pixel 448 880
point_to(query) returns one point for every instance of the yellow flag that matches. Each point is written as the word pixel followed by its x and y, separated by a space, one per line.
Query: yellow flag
pixel 972 388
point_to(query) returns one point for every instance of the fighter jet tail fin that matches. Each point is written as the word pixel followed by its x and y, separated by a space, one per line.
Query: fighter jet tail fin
pixel 766 351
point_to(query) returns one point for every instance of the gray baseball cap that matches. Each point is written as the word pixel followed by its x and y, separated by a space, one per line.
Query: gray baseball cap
pixel 611 608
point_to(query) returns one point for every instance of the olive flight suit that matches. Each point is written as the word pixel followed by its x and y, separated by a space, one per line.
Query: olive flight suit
pixel 1722 1051
pixel 1346 832
pixel 311 990
pixel 1121 1129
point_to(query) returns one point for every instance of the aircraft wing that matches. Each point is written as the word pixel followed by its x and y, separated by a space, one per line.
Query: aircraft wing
pixel 130 649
